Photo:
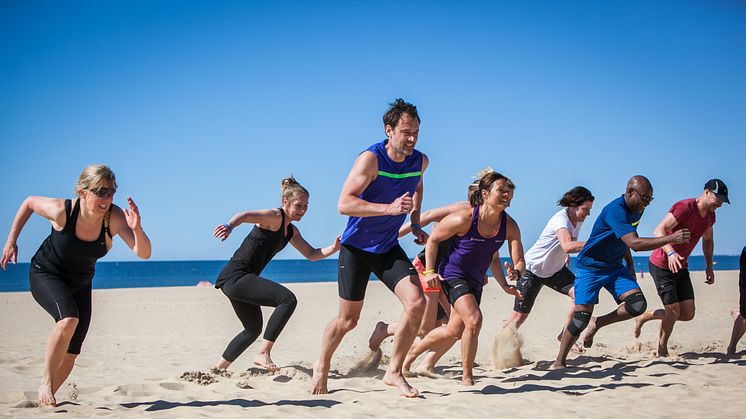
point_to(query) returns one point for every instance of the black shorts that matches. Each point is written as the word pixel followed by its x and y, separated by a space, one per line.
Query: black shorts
pixel 672 287
pixel 355 266
pixel 62 300
pixel 529 285
pixel 458 287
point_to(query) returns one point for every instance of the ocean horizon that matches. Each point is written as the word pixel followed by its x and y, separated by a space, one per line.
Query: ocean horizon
pixel 144 274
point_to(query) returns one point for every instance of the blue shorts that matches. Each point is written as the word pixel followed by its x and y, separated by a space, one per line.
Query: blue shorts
pixel 588 284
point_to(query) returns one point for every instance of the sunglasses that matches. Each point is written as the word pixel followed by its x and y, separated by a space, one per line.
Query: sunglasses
pixel 103 192
pixel 645 198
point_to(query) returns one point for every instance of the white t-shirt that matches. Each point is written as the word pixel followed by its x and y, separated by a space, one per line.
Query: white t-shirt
pixel 546 257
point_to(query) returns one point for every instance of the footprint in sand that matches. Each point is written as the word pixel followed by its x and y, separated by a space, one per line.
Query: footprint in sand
pixel 137 390
pixel 27 404
pixel 72 391
pixel 172 386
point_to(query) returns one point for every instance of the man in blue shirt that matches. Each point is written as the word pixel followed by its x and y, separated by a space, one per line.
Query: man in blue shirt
pixel 600 265
pixel 739 324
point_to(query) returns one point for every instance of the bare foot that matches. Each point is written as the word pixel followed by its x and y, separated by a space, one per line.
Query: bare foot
pixel 734 313
pixel 46 397
pixel 557 366
pixel 467 381
pixel 662 352
pixel 639 321
pixel 426 371
pixel 379 334
pixel 589 333
pixel 397 380
pixel 319 379
pixel 263 360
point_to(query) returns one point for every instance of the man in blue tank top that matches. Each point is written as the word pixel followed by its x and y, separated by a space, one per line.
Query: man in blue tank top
pixel 383 186
pixel 600 265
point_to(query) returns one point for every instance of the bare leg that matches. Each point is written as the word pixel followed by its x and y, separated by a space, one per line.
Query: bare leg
pixel 263 358
pixel 442 336
pixel 672 312
pixel 739 327
pixel 63 371
pixel 431 310
pixel 517 318
pixel 410 294
pixel 615 316
pixel 567 341
pixel 469 311
pixel 222 364
pixel 57 345
pixel 427 366
pixel 346 320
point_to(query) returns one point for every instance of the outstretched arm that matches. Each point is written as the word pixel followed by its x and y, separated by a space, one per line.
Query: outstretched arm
pixel 708 248
pixel 567 243
pixel 53 209
pixel 127 225
pixel 675 260
pixel 414 216
pixel 453 224
pixel 434 215
pixel 311 253
pixel 269 219
pixel 636 243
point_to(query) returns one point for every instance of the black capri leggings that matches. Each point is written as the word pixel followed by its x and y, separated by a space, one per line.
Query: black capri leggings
pixel 62 300
pixel 247 294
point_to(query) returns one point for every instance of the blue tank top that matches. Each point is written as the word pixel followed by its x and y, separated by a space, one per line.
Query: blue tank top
pixel 380 233
pixel 471 253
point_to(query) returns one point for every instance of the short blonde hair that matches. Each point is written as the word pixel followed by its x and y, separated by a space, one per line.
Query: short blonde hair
pixel 95 176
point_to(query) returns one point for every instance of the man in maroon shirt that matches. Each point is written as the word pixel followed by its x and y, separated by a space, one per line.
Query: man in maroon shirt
pixel 668 264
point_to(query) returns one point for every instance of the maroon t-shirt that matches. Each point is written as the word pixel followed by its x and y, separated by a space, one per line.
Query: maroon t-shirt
pixel 687 216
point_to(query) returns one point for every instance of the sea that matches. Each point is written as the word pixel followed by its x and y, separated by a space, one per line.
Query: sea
pixel 142 274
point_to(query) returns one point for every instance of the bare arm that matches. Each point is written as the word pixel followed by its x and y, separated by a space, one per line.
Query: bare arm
pixel 434 215
pixel 363 172
pixel 513 235
pixel 309 252
pixel 636 243
pixel 53 209
pixel 567 243
pixel 453 224
pixel 675 260
pixel 127 225
pixel 708 249
pixel 268 219
pixel 629 261
pixel 497 270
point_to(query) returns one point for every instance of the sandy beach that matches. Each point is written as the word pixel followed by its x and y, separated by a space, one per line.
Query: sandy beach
pixel 143 341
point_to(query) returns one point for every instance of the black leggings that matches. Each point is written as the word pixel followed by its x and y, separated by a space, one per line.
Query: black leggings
pixel 247 294
pixel 62 300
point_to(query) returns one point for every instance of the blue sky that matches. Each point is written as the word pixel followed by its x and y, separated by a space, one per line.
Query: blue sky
pixel 201 108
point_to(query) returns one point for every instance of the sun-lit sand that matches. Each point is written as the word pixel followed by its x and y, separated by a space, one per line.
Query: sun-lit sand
pixel 151 351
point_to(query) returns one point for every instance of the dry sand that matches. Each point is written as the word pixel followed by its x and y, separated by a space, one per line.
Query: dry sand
pixel 149 351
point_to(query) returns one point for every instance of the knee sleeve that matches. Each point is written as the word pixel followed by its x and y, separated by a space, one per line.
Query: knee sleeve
pixel 635 304
pixel 579 322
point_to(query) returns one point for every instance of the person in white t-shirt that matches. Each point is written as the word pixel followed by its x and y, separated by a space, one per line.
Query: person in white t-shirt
pixel 547 259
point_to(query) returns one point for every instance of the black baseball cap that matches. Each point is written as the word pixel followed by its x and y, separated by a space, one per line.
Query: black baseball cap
pixel 718 187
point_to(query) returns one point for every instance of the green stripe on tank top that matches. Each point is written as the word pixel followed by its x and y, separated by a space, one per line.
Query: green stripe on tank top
pixel 398 175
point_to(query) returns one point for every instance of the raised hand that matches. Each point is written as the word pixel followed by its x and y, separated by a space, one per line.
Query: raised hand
pixel 337 243
pixel 222 231
pixel 10 253
pixel 512 290
pixel 401 205
pixel 513 275
pixel 132 215
pixel 433 280
pixel 420 237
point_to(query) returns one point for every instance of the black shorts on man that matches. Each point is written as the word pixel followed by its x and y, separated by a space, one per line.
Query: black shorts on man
pixel 672 287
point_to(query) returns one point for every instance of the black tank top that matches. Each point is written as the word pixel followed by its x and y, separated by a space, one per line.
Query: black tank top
pixel 261 245
pixel 65 255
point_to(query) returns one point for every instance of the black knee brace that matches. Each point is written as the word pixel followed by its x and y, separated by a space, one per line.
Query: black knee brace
pixel 579 322
pixel 635 304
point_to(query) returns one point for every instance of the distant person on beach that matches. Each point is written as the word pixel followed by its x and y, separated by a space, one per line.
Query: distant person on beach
pixel 478 233
pixel 383 186
pixel 548 259
pixel 739 316
pixel 668 264
pixel 62 270
pixel 599 265
pixel 240 279
pixel 433 295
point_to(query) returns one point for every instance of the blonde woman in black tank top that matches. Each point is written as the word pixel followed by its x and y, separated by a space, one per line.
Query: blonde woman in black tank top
pixel 62 269
pixel 240 279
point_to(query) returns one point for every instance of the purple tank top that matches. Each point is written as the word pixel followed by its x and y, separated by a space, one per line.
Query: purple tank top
pixel 471 253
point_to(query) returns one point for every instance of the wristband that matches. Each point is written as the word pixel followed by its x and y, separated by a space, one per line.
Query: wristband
pixel 428 272
pixel 413 225
pixel 228 226
pixel 671 253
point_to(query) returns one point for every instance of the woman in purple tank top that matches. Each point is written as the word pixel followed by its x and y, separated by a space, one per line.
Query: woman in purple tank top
pixel 478 234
